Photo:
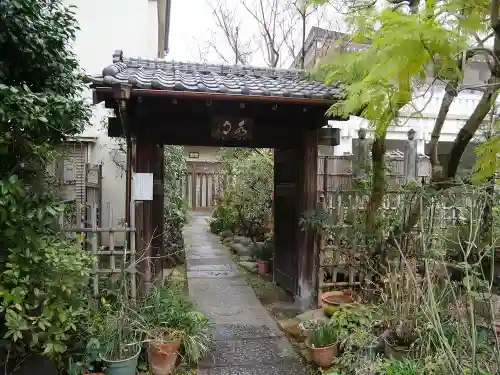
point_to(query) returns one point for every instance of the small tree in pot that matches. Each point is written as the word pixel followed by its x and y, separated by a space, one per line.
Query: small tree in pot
pixel 263 254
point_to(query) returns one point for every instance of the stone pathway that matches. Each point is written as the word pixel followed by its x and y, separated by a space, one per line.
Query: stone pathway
pixel 248 340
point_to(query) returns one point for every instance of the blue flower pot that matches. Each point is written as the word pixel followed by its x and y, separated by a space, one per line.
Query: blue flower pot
pixel 122 366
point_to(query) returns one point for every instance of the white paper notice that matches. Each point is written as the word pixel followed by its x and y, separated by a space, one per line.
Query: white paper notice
pixel 142 187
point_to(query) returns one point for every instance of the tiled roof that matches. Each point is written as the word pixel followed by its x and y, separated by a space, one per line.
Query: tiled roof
pixel 222 79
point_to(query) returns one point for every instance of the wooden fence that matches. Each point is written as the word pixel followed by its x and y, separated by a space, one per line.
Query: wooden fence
pixel 336 172
pixel 80 222
pixel 343 252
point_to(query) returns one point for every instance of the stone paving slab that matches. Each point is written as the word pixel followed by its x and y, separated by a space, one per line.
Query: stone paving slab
pixel 245 331
pixel 248 340
pixel 212 267
pixel 250 351
pixel 257 369
pixel 195 262
pixel 193 274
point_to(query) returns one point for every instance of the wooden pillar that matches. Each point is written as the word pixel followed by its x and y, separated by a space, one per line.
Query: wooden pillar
pixel 145 163
pixel 307 199
pixel 158 250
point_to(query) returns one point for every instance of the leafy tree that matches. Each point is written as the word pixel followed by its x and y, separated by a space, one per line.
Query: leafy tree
pixel 244 204
pixel 412 43
pixel 42 277
pixel 175 207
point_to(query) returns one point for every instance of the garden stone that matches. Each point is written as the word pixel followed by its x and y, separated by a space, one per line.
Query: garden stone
pixel 240 249
pixel 226 233
pixel 257 246
pixel 290 326
pixel 246 258
pixel 312 314
pixel 227 240
pixel 245 241
pixel 249 266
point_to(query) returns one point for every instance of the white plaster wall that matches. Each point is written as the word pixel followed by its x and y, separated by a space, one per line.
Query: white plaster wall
pixel 105 26
pixel 460 110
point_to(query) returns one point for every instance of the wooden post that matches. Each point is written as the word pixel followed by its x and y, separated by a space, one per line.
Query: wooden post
pixel 325 178
pixel 146 155
pixel 193 187
pixel 307 198
pixel 158 209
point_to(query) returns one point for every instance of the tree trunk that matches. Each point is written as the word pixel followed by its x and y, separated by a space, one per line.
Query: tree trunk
pixel 377 191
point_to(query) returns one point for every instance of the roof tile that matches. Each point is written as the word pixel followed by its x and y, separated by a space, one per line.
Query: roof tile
pixel 212 78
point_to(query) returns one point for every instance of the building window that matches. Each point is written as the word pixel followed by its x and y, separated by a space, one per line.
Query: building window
pixel 194 155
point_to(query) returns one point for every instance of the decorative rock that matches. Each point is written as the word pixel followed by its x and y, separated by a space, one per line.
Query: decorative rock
pixel 290 326
pixel 240 249
pixel 245 241
pixel 226 233
pixel 227 240
pixel 306 354
pixel 246 258
pixel 312 314
pixel 249 266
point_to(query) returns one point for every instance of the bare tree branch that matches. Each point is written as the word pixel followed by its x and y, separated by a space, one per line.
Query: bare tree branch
pixel 269 15
pixel 227 23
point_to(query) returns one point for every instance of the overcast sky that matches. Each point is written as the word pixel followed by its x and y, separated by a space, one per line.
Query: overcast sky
pixel 193 28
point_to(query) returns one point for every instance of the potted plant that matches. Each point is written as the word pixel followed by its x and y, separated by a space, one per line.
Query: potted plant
pixel 263 255
pixel 363 341
pixel 163 350
pixel 331 301
pixel 171 326
pixel 403 301
pixel 308 326
pixel 323 344
pixel 120 343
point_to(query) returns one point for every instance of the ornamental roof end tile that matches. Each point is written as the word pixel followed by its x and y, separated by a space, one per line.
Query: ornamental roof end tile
pixel 159 74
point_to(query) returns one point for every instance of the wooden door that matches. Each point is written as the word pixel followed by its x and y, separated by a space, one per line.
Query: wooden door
pixel 201 185
pixel 286 218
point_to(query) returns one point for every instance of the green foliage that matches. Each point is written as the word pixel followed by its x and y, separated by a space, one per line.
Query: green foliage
pixel 224 217
pixel 348 319
pixel 40 89
pixel 403 367
pixel 245 203
pixel 166 310
pixel 264 252
pixel 175 207
pixel 323 337
pixel 382 78
pixel 43 277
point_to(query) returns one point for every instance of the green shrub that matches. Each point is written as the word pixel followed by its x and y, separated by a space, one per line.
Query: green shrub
pixel 323 337
pixel 245 203
pixel 167 309
pixel 44 277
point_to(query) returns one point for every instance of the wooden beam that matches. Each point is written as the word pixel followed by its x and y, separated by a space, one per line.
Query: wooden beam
pixel 199 133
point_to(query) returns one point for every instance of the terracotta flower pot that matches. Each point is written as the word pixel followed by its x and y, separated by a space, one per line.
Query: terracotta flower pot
pixel 263 266
pixel 323 357
pixel 331 301
pixel 162 356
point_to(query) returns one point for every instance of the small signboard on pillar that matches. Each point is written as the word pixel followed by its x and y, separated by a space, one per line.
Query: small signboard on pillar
pixel 142 187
